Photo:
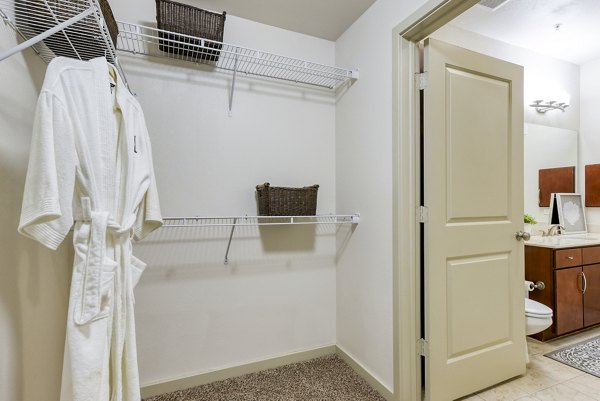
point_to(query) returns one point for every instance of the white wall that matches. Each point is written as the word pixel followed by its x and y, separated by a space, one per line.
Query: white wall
pixel 34 281
pixel 364 167
pixel 541 72
pixel 589 152
pixel 364 183
pixel 277 295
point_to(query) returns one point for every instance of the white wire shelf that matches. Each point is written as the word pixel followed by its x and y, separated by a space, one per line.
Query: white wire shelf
pixel 74 28
pixel 138 39
pixel 241 221
pixel 77 29
pixel 253 221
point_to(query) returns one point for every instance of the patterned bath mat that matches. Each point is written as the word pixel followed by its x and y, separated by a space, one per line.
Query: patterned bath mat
pixel 584 356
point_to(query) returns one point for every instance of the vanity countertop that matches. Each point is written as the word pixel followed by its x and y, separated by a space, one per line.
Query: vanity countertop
pixel 565 240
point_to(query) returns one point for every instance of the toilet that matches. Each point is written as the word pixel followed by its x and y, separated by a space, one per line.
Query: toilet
pixel 538 317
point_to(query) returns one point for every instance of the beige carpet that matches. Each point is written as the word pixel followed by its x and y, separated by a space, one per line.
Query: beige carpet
pixel 323 379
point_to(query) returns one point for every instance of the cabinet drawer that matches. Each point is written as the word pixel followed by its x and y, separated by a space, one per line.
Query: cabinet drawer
pixel 591 255
pixel 567 258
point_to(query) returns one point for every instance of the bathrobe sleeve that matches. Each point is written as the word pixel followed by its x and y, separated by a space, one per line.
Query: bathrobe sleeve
pixel 46 213
pixel 148 217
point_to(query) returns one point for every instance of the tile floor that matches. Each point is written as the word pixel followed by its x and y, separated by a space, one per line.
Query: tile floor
pixel 546 379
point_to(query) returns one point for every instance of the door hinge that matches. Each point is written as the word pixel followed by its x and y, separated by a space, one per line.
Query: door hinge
pixel 421 80
pixel 422 214
pixel 423 347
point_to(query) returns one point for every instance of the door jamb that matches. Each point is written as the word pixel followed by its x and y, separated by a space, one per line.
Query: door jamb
pixel 405 147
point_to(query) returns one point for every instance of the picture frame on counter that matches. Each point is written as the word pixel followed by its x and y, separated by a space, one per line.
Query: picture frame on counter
pixel 568 210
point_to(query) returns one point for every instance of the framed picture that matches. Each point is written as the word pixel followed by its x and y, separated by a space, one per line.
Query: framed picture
pixel 570 211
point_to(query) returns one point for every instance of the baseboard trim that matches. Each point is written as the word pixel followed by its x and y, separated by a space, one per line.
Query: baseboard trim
pixel 365 374
pixel 234 371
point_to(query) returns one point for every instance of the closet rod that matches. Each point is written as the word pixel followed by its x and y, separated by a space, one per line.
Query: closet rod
pixel 36 39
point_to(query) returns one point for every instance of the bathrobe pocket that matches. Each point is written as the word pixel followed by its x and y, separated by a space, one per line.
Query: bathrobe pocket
pixel 137 268
pixel 107 291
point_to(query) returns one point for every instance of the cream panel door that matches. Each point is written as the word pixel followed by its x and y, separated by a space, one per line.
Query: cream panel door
pixel 473 187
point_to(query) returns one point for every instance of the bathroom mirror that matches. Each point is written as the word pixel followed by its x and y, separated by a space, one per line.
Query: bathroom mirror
pixel 545 148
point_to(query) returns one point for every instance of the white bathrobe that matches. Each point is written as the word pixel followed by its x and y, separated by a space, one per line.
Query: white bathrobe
pixel 91 165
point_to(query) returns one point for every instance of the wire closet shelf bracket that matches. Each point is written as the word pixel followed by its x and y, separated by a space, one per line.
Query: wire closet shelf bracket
pixel 138 39
pixel 75 29
pixel 251 221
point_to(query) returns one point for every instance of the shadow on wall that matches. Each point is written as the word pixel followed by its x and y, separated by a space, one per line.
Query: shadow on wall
pixel 34 281
pixel 343 235
pixel 11 317
pixel 202 76
pixel 200 251
pixel 288 238
pixel 341 90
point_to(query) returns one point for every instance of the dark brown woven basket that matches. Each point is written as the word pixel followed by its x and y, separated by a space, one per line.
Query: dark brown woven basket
pixel 111 23
pixel 79 38
pixel 193 21
pixel 283 201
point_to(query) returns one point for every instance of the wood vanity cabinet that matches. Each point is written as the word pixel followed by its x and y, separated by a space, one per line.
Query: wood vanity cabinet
pixel 568 312
pixel 591 305
pixel 572 278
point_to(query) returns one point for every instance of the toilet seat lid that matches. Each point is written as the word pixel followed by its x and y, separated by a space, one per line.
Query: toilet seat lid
pixel 533 308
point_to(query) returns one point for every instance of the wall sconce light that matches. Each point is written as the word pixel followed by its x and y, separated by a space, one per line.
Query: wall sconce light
pixel 542 106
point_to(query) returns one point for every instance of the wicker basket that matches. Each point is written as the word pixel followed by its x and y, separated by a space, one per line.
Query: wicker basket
pixel 181 18
pixel 282 201
pixel 79 36
pixel 111 23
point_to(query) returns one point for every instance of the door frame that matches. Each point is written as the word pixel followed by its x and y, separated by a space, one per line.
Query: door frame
pixel 405 188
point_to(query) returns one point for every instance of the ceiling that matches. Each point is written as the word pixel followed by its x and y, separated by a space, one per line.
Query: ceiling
pixel 326 19
pixel 565 29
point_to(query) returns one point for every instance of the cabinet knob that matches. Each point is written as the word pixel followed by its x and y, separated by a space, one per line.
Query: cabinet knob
pixel 570 257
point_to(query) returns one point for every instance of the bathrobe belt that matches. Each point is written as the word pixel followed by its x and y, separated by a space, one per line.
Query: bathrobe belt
pixel 97 268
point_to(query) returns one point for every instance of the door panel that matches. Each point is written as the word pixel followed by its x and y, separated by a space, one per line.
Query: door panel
pixel 569 300
pixel 478 315
pixel 591 299
pixel 480 140
pixel 473 187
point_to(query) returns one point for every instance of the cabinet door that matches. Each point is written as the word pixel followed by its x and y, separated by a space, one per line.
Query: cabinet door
pixel 569 299
pixel 591 298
